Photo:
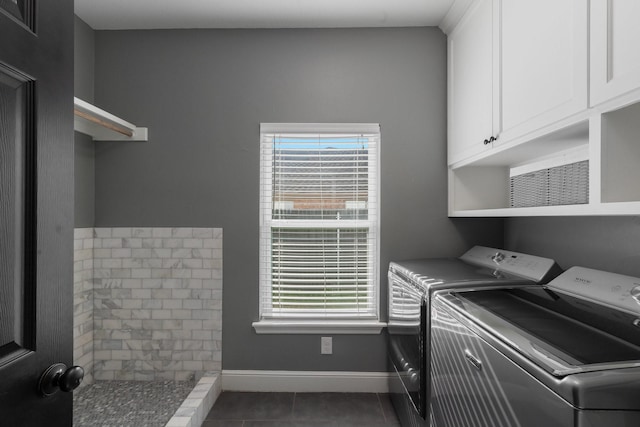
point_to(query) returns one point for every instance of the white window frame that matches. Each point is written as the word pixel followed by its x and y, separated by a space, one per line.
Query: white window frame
pixel 270 323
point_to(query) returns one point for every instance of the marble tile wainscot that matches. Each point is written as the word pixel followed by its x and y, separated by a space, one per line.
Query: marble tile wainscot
pixel 157 295
pixel 83 301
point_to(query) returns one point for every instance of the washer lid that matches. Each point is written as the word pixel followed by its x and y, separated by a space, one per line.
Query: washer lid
pixel 448 271
pixel 562 333
pixel 480 265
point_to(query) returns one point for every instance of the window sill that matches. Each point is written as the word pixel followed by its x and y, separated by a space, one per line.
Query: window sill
pixel 352 327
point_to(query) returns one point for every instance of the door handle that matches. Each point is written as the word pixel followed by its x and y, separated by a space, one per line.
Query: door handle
pixel 473 360
pixel 58 377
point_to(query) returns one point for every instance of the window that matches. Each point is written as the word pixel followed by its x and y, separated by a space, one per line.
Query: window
pixel 319 223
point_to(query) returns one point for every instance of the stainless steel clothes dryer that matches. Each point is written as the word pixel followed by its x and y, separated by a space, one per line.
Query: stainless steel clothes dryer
pixel 411 286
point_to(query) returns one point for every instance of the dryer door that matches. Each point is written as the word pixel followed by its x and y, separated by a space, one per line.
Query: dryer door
pixel 407 323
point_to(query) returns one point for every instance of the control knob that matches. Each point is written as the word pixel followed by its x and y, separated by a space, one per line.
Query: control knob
pixel 635 293
pixel 498 257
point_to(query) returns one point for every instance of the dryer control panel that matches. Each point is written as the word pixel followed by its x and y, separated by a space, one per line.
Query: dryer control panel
pixel 523 265
pixel 616 290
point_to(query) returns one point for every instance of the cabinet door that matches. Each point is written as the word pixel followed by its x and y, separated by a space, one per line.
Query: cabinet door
pixel 471 88
pixel 543 63
pixel 615 56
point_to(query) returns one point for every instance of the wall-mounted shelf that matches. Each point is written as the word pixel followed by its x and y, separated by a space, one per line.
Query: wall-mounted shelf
pixel 104 126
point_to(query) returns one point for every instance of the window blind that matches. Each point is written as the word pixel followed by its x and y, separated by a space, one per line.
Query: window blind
pixel 319 221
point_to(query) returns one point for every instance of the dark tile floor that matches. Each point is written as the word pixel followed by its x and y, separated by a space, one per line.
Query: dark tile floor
pixel 244 409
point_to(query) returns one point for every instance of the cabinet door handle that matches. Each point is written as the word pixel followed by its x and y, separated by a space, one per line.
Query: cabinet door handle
pixel 490 140
pixel 473 360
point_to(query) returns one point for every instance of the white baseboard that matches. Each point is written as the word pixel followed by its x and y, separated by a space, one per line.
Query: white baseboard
pixel 305 381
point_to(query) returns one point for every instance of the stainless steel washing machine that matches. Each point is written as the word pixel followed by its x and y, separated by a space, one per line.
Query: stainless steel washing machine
pixel 565 354
pixel 411 286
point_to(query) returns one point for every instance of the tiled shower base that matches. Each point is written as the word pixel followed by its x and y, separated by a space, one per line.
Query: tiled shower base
pixel 145 403
pixel 129 403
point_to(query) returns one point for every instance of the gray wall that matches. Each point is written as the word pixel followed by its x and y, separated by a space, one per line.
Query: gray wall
pixel 203 94
pixel 84 154
pixel 604 243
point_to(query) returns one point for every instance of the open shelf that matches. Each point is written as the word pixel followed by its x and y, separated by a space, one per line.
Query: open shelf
pixel 620 155
pixel 608 140
pixel 482 187
pixel 104 126
pixel 590 209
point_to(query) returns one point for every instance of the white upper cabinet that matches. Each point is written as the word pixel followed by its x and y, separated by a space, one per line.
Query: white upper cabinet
pixel 555 87
pixel 514 67
pixel 615 48
pixel 472 95
pixel 543 63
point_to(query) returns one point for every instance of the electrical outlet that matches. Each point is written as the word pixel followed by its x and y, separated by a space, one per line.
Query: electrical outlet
pixel 326 345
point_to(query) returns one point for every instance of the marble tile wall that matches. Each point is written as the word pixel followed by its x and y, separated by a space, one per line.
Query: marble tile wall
pixel 196 406
pixel 83 301
pixel 157 303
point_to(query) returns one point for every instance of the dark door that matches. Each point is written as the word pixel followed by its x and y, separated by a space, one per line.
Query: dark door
pixel 36 207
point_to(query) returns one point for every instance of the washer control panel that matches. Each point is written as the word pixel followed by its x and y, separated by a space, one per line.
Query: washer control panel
pixel 622 292
pixel 523 265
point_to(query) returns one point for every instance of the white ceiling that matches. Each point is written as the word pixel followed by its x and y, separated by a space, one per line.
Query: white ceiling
pixel 156 14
